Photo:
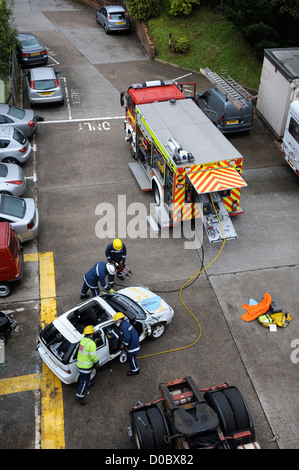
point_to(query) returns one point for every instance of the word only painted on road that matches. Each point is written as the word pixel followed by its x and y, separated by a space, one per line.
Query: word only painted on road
pixel 104 126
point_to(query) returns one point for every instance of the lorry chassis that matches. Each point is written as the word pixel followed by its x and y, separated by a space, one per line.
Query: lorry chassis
pixel 186 417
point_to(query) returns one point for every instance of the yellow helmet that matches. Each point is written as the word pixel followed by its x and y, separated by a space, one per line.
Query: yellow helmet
pixel 118 316
pixel 88 330
pixel 117 244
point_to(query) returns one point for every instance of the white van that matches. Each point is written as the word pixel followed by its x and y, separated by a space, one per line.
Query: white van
pixel 290 141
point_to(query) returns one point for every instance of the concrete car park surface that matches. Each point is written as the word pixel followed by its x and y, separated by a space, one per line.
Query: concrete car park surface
pixel 80 161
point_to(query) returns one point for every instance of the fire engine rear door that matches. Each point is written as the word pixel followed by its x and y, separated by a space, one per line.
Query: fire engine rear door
pixel 207 184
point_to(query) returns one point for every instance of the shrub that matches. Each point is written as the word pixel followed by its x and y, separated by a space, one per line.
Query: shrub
pixel 179 44
pixel 182 7
pixel 143 10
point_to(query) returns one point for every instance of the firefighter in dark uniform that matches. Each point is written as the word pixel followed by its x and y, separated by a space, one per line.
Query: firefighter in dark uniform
pixel 98 274
pixel 116 253
pixel 130 341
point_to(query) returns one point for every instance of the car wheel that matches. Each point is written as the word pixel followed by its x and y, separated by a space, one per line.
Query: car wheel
pixel 10 160
pixel 5 289
pixel 106 29
pixel 157 330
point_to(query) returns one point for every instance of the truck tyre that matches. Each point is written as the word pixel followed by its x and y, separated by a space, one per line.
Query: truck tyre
pixel 239 407
pixel 219 403
pixel 142 432
pixel 157 331
pixel 159 428
pixel 5 289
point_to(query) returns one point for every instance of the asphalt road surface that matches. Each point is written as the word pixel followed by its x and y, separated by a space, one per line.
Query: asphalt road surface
pixel 80 161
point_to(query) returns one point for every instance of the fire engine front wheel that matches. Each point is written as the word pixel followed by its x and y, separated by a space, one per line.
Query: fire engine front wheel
pixel 158 330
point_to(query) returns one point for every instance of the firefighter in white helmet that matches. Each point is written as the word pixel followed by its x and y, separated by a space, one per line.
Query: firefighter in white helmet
pixel 98 274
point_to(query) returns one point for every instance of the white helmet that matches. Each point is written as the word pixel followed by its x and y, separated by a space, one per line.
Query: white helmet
pixel 110 268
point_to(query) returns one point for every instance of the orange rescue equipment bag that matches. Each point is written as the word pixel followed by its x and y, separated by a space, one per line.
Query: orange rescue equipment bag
pixel 254 311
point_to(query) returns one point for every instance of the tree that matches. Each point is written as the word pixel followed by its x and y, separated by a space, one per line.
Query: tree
pixel 8 38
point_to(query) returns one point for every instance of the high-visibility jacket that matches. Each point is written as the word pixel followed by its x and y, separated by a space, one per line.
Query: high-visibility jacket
pixel 87 353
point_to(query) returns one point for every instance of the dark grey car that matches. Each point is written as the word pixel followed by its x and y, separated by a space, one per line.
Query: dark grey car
pixel 113 18
pixel 30 51
pixel 223 113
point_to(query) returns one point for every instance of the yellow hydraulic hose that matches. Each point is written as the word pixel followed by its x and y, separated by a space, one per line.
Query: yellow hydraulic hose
pixel 188 310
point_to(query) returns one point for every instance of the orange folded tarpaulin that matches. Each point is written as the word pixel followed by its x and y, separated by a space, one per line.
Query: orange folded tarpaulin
pixel 254 311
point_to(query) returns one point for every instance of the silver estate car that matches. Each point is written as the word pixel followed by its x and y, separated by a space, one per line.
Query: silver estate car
pixel 23 119
pixel 113 18
pixel 14 145
pixel 12 179
pixel 43 86
pixel 22 214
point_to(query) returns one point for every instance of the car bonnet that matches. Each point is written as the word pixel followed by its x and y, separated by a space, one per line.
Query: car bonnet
pixel 147 299
pixel 65 327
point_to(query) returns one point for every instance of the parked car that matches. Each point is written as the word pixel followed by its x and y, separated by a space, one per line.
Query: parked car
pixel 12 179
pixel 14 146
pixel 22 214
pixel 23 119
pixel 30 51
pixel 223 113
pixel 59 341
pixel 43 86
pixel 113 18
pixel 11 259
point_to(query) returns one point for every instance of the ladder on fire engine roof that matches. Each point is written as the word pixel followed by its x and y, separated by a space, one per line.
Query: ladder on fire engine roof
pixel 231 89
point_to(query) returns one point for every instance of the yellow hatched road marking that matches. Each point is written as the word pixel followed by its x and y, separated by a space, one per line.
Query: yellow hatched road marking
pixel 52 417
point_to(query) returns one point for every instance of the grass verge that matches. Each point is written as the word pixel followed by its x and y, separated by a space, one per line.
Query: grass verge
pixel 214 43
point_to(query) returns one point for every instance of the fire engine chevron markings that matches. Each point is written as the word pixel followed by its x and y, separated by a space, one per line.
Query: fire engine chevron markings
pixel 216 180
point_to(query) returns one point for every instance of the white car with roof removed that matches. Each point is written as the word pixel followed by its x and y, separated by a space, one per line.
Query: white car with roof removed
pixel 58 342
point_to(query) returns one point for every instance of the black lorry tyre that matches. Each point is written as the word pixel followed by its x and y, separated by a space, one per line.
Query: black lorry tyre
pixel 221 406
pixel 159 428
pixel 239 407
pixel 141 429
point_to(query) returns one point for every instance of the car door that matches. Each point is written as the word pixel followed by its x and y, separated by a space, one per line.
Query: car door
pixel 103 16
pixel 103 351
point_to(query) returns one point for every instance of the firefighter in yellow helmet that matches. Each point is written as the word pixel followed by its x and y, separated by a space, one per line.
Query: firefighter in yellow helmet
pixel 87 359
pixel 130 341
pixel 116 253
